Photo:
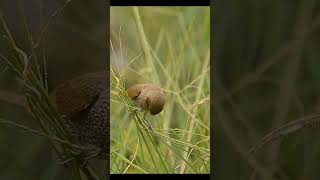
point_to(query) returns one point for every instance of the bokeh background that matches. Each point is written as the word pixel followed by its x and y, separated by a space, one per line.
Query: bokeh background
pixel 178 39
pixel 75 43
pixel 266 74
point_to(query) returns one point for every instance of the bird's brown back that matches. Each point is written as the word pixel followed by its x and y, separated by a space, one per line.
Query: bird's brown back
pixel 75 95
pixel 84 101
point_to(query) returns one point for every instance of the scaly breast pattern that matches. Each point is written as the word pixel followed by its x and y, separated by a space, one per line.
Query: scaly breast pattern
pixel 84 103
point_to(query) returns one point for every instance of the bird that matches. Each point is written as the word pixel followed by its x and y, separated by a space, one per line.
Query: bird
pixel 148 97
pixel 84 103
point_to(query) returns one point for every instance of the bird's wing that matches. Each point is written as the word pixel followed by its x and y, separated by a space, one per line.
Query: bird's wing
pixel 76 96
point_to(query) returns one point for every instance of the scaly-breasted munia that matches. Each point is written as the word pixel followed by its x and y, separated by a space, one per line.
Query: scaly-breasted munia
pixel 84 103
pixel 148 97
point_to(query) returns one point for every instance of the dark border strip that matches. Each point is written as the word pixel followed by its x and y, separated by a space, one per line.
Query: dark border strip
pixel 161 176
pixel 160 2
pixel 107 15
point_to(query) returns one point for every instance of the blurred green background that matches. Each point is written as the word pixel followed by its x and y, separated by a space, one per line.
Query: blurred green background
pixel 170 47
pixel 266 74
pixel 74 44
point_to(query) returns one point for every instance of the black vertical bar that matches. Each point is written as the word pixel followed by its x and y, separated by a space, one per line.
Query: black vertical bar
pixel 108 66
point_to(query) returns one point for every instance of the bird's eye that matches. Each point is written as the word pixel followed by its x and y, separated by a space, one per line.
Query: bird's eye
pixel 135 97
